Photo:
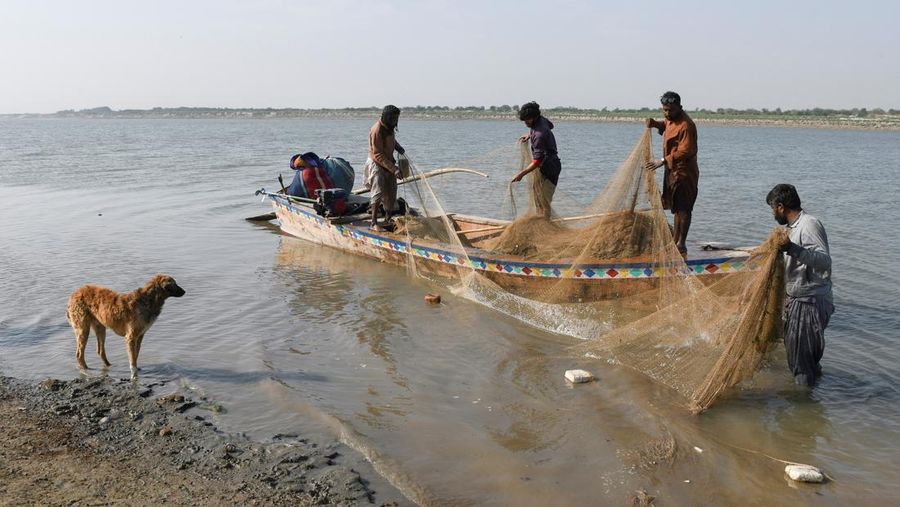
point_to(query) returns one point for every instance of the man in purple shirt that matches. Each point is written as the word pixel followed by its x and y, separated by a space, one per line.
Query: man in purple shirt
pixel 543 157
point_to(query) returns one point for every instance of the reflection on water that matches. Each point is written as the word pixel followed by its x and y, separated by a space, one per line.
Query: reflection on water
pixel 453 403
pixel 323 292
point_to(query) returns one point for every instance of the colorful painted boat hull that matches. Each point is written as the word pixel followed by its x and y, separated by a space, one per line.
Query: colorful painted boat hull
pixel 595 281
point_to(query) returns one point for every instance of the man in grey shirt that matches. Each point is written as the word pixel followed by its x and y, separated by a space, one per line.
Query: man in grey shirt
pixel 809 302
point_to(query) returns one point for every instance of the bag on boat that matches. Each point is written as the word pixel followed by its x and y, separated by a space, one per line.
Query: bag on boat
pixel 310 175
pixel 340 171
pixel 307 180
pixel 330 172
pixel 403 165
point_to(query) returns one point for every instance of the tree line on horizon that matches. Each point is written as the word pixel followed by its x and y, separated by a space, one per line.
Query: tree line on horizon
pixel 504 109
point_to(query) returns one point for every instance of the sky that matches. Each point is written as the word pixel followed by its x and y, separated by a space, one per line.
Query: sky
pixel 125 54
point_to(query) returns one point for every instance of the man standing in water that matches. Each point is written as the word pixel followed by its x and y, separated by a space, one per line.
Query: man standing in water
pixel 680 158
pixel 809 302
pixel 381 172
pixel 543 156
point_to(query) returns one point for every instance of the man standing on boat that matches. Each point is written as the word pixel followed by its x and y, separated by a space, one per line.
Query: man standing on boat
pixel 381 171
pixel 543 157
pixel 680 158
pixel 809 302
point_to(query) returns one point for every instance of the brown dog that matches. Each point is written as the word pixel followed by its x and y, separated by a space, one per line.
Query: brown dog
pixel 129 315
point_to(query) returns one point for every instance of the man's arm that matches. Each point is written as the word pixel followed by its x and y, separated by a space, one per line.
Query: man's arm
pixel 660 126
pixel 524 172
pixel 653 165
pixel 813 250
pixel 538 152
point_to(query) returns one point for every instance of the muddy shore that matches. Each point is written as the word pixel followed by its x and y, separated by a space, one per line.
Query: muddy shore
pixel 104 441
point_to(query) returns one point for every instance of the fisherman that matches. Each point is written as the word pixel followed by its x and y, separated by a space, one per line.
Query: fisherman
pixel 543 154
pixel 809 302
pixel 381 170
pixel 680 158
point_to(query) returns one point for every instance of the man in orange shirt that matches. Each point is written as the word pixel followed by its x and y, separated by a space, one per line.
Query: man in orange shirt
pixel 680 158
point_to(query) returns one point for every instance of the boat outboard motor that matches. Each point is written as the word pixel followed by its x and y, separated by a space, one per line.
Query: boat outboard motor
pixel 331 202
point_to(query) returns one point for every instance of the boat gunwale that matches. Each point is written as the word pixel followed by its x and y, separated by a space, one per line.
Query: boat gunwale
pixel 491 263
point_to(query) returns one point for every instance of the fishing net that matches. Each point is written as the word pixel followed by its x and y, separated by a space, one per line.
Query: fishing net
pixel 697 332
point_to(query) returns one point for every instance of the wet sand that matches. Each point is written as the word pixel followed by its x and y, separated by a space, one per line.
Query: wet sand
pixel 107 441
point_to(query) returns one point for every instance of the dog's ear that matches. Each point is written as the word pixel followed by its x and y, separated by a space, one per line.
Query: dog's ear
pixel 158 281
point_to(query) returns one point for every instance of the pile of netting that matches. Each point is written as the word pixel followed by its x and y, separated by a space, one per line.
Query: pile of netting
pixel 618 224
pixel 697 334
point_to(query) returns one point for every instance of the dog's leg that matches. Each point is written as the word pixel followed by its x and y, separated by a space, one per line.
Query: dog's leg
pixel 81 339
pixel 137 351
pixel 140 341
pixel 100 331
pixel 133 344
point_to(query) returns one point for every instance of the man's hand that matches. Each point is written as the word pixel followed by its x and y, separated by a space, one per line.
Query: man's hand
pixel 654 164
pixel 649 122
pixel 517 178
pixel 525 138
pixel 783 240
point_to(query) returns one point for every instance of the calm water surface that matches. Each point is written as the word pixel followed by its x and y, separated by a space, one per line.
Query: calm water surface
pixel 455 404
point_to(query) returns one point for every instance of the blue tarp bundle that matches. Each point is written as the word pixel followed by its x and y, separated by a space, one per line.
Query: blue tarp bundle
pixel 339 174
pixel 340 171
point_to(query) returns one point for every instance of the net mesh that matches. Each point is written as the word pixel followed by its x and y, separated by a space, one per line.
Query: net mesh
pixel 699 335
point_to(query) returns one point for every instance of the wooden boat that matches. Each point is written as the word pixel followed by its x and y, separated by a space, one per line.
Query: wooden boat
pixel 598 280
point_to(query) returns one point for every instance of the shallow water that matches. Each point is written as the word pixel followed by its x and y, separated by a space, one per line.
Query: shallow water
pixel 454 403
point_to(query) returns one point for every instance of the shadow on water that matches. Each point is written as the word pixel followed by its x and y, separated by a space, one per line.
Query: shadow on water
pixel 172 371
pixel 327 288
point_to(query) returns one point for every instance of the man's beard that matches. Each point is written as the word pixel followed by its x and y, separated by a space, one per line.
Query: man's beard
pixel 781 219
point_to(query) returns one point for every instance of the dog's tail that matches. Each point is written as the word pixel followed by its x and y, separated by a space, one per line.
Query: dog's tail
pixel 69 310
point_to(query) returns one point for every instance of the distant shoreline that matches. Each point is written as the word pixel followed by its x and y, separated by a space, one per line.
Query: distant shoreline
pixel 871 122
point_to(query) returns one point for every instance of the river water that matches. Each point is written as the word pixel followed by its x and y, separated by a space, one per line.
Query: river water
pixel 455 404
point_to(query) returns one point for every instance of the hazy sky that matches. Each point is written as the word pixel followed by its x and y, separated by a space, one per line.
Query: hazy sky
pixel 334 53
